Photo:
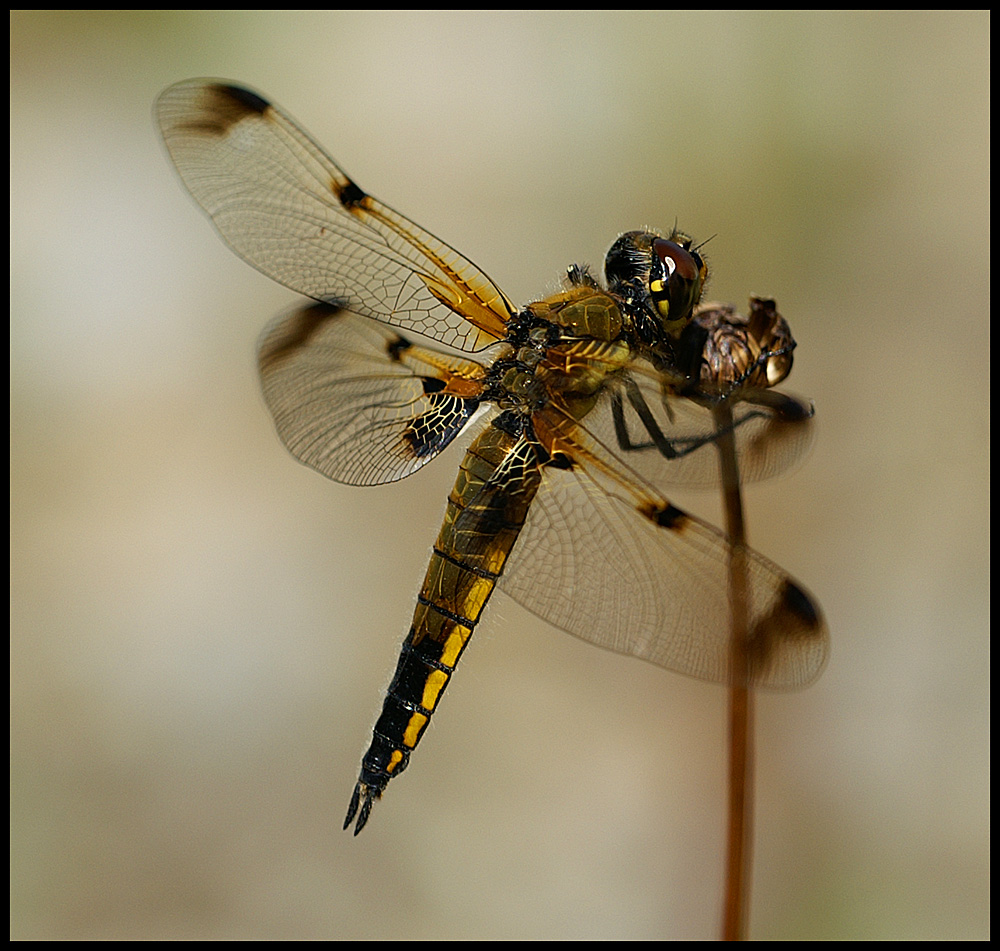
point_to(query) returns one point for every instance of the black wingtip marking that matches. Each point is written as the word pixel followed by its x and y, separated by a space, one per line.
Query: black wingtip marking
pixel 244 97
pixel 791 410
pixel 799 604
pixel 220 108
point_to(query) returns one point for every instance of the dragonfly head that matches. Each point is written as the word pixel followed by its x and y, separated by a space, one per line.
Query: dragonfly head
pixel 663 277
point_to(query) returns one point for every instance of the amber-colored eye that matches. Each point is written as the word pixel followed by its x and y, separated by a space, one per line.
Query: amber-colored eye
pixel 676 278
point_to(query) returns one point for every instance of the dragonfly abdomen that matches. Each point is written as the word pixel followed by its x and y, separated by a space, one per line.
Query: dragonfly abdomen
pixel 486 511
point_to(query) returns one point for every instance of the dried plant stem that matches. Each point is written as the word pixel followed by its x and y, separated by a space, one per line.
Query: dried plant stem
pixel 739 838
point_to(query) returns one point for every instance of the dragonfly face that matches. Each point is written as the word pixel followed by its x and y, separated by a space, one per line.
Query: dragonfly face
pixel 660 279
pixel 599 397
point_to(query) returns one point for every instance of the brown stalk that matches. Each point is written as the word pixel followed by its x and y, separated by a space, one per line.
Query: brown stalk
pixel 739 838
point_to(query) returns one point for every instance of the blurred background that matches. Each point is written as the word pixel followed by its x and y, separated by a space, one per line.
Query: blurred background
pixel 201 629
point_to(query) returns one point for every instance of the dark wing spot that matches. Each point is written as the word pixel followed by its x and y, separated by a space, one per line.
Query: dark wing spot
pixel 224 107
pixel 668 516
pixel 299 330
pixel 396 347
pixel 244 97
pixel 350 195
pixel 432 384
pixel 793 617
pixel 552 460
pixel 799 604
pixel 560 461
pixel 791 410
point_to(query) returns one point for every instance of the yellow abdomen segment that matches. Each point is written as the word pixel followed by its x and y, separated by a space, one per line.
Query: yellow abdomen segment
pixel 486 510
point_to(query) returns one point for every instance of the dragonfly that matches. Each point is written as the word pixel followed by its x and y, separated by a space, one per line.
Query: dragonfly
pixel 583 404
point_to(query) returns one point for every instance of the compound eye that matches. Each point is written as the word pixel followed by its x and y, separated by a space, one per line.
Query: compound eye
pixel 686 264
pixel 676 279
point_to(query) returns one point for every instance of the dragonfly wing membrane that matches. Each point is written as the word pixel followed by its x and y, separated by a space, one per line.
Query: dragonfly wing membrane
pixel 358 401
pixel 284 206
pixel 772 435
pixel 606 558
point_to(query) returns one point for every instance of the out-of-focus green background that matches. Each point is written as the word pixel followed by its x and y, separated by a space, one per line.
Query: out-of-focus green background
pixel 201 629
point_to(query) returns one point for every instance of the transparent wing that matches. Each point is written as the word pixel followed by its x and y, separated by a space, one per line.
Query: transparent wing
pixel 606 558
pixel 773 431
pixel 284 206
pixel 357 401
